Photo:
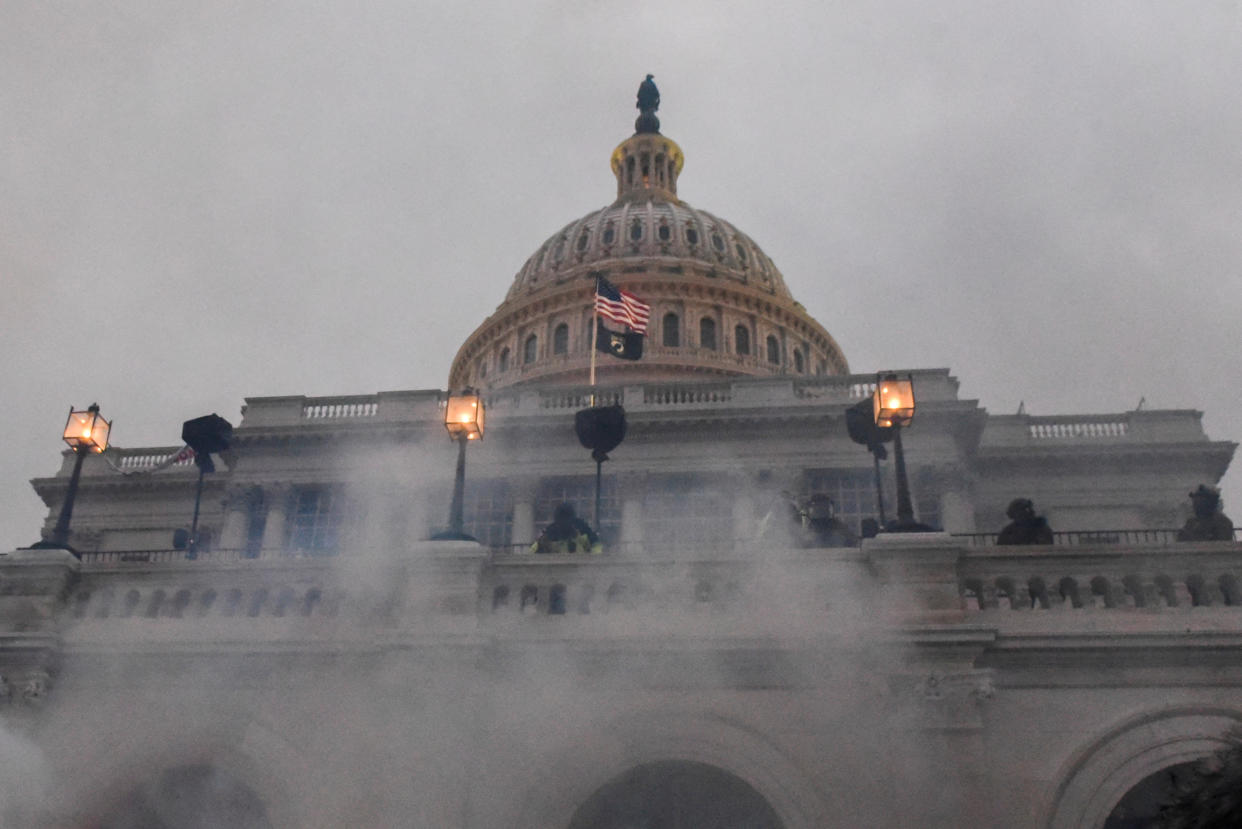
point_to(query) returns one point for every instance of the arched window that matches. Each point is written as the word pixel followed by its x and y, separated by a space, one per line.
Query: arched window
pixel 774 350
pixel 672 330
pixel 707 333
pixel 560 339
pixel 741 339
pixel 504 359
pixel 529 349
pixel 799 366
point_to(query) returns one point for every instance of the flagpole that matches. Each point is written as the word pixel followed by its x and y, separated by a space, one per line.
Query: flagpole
pixel 594 337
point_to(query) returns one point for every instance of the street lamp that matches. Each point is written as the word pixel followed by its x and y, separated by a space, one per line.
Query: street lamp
pixel 85 432
pixel 463 417
pixel 893 407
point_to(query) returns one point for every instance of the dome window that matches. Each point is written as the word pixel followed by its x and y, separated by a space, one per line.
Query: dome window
pixel 741 252
pixel 741 340
pixel 774 351
pixel 692 236
pixel 504 359
pixel 664 232
pixel 560 339
pixel 707 333
pixel 610 235
pixel 718 243
pixel 799 366
pixel 530 349
pixel 636 230
pixel 672 330
pixel 582 242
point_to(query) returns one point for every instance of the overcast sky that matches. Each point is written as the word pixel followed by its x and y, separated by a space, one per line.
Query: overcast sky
pixel 203 201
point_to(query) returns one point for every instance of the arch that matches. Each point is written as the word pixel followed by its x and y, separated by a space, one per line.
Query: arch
pixel 1095 780
pixel 567 776
pixel 503 362
pixel 707 333
pixel 560 339
pixel 191 796
pixel 774 350
pixel 670 328
pixel 530 349
pixel 678 794
pixel 120 772
pixel 799 364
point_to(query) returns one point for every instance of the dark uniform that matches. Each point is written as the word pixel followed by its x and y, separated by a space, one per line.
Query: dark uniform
pixel 567 534
pixel 1025 527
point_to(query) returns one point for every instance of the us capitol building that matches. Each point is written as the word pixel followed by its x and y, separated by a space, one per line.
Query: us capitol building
pixel 317 661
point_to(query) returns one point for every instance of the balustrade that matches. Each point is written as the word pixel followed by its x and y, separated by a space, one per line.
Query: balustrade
pixel 336 408
pixel 1100 577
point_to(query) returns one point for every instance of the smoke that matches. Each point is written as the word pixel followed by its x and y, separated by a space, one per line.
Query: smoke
pixel 767 661
pixel 24 779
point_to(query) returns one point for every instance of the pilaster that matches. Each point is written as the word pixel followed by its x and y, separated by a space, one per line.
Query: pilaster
pixel 276 496
pixel 36 585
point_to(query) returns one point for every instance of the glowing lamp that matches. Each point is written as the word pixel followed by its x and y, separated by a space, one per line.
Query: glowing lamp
pixel 463 415
pixel 893 403
pixel 87 430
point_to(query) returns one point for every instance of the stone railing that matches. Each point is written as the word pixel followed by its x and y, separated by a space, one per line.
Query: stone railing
pixel 138 459
pixel 1074 538
pixel 1046 428
pixel 710 579
pixel 321 408
pixel 1190 574
pixel 97 598
pixel 1139 426
pixel 118 558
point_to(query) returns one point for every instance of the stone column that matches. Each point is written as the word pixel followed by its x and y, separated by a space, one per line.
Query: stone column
pixel 744 520
pixel 632 486
pixel 236 514
pixel 417 516
pixel 957 513
pixel 276 497
pixel 524 529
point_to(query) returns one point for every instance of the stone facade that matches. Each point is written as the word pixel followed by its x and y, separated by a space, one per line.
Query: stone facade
pixel 318 662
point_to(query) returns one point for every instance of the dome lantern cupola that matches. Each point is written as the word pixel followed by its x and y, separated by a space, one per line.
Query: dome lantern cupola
pixel 647 164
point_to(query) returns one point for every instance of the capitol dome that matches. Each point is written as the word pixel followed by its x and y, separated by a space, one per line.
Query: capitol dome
pixel 719 306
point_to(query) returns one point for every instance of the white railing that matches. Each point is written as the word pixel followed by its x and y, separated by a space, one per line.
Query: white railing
pixel 1079 429
pixel 336 408
pixel 150 459
pixel 672 395
pixel 579 398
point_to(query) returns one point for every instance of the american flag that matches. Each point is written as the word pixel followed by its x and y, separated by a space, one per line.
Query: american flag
pixel 621 306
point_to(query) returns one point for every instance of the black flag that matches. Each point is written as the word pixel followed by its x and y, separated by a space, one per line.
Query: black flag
pixel 627 345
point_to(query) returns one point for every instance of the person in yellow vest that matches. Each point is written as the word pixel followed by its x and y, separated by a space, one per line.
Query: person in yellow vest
pixel 567 534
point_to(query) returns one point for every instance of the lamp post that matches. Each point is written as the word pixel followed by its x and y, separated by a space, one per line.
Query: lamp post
pixel 85 432
pixel 463 418
pixel 893 407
